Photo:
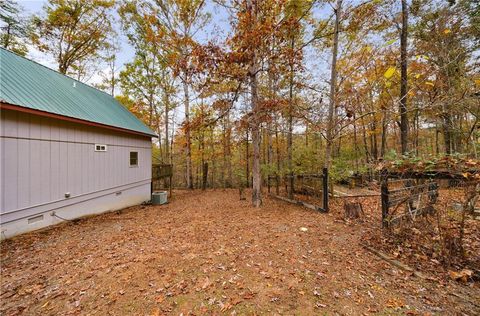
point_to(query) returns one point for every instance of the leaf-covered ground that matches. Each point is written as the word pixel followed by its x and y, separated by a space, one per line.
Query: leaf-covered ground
pixel 210 253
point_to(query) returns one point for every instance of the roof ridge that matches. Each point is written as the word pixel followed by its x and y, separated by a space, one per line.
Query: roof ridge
pixel 56 71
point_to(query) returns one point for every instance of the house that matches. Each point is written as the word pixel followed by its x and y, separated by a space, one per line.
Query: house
pixel 67 149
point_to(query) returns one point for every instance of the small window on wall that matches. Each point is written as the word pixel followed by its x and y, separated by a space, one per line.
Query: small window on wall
pixel 133 159
pixel 100 147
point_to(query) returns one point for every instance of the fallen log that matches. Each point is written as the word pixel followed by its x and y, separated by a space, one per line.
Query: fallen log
pixel 342 195
pixel 394 262
pixel 353 196
pixel 296 202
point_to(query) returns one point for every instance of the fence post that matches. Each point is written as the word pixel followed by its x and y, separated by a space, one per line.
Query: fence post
pixel 325 189
pixel 384 195
pixel 432 192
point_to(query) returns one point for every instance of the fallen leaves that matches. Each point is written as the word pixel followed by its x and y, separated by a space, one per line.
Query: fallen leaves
pixel 197 260
pixel 248 296
pixel 463 275
pixel 395 303
pixel 206 283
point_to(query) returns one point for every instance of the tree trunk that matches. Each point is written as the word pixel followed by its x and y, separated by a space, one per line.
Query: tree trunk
pixel 277 147
pixel 212 159
pixel 383 148
pixel 269 153
pixel 417 131
pixel 256 136
pixel 256 139
pixel 365 143
pixel 187 135
pixel 273 96
pixel 204 175
pixel 7 36
pixel 228 153
pixel 202 158
pixel 160 149
pixel 404 81
pixel 333 89
pixel 167 142
pixel 306 135
pixel 447 133
pixel 62 68
pixel 290 127
pixel 224 154
pixel 112 77
pixel 247 159
pixel 355 143
pixel 373 139
pixel 256 172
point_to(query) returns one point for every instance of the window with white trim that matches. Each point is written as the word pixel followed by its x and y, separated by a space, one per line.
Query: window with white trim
pixel 133 158
pixel 100 147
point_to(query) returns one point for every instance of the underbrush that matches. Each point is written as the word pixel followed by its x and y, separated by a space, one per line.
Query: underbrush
pixel 447 240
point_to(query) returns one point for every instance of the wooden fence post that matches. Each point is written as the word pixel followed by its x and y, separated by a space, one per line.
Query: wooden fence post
pixel 432 192
pixel 384 195
pixel 325 189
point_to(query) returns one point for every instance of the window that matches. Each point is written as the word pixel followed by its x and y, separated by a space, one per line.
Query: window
pixel 133 159
pixel 100 147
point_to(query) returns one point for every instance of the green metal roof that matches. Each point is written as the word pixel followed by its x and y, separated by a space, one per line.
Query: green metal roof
pixel 28 84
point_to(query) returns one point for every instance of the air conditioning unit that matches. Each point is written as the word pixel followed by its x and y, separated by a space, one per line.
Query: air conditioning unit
pixel 159 198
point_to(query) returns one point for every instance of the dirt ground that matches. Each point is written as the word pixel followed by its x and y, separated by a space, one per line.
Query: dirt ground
pixel 208 253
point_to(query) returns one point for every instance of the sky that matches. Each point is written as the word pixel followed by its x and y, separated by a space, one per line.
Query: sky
pixel 316 65
pixel 124 55
pixel 219 23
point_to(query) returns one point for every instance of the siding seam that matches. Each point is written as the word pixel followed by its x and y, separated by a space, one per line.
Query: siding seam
pixel 69 142
pixel 93 198
pixel 73 197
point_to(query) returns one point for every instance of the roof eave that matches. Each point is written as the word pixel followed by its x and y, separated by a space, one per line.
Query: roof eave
pixel 19 108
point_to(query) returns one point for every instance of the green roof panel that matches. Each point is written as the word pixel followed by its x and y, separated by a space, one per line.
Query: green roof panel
pixel 28 84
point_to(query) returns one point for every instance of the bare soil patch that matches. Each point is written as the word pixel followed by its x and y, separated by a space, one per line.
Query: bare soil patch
pixel 210 253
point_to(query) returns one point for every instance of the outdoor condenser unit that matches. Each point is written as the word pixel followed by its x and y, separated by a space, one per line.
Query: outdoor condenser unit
pixel 159 198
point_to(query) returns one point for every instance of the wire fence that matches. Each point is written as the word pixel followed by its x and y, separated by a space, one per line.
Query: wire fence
pixel 309 190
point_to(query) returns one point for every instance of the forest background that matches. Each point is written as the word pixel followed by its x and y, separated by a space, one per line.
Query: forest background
pixel 242 89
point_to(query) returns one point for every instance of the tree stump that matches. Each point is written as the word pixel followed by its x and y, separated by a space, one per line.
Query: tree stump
pixel 353 210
